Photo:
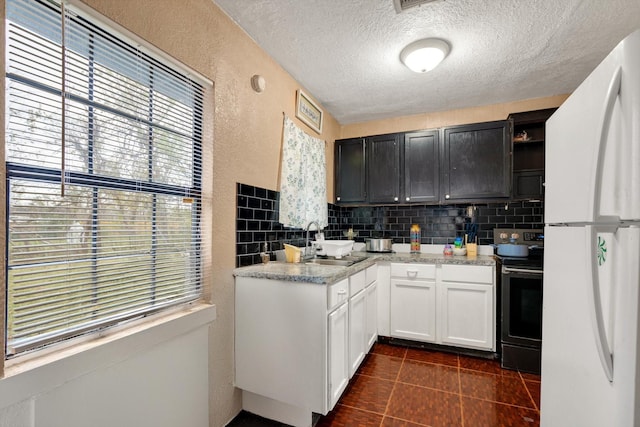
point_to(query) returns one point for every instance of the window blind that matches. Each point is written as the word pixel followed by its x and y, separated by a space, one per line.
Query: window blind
pixel 123 238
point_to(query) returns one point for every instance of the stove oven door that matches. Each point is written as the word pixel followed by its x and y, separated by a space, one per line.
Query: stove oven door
pixel 521 318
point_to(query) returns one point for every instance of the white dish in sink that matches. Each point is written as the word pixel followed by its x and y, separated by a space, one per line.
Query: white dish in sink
pixel 335 248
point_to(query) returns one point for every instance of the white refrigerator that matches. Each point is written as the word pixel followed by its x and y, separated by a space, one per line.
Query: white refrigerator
pixel 590 331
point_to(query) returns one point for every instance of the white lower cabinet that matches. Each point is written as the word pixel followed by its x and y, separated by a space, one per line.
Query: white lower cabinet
pixel 383 294
pixel 413 301
pixel 452 304
pixel 413 309
pixel 297 344
pixel 467 314
pixel 338 353
pixel 371 306
pixel 468 306
pixel 363 331
pixel 357 326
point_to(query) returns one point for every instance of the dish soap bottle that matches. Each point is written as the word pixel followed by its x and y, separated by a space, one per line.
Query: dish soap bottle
pixel 415 238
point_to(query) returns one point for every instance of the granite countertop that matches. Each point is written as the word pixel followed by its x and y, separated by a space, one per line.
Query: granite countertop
pixel 327 274
pixel 302 272
pixel 430 258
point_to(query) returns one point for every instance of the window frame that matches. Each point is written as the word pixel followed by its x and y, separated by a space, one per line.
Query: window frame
pixel 200 190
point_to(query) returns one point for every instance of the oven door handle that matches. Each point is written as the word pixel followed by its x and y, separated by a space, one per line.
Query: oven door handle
pixel 508 270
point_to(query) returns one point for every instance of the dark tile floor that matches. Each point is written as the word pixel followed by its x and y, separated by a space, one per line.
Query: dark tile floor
pixel 404 387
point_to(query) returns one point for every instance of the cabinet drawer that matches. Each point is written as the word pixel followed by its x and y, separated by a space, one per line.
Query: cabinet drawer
pixel 356 282
pixel 468 273
pixel 338 293
pixel 414 271
pixel 371 274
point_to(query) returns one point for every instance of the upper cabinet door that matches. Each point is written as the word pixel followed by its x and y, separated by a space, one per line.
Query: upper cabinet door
pixel 350 184
pixel 476 161
pixel 421 167
pixel 383 168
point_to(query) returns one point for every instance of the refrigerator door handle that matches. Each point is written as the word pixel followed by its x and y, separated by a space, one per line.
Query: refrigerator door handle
pixel 606 356
pixel 613 91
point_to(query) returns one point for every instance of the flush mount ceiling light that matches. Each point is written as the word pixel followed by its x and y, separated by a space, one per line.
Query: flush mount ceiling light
pixel 424 55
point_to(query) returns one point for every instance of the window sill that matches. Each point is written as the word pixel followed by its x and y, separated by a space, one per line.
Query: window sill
pixel 31 374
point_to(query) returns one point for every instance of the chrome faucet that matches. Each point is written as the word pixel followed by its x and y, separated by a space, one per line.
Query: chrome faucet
pixel 306 244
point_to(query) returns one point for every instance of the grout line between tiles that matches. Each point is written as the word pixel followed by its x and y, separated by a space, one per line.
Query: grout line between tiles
pixel 407 421
pixel 373 376
pixel 460 394
pixel 357 408
pixel 534 408
pixel 426 387
pixel 502 403
pixel 535 405
pixel 386 409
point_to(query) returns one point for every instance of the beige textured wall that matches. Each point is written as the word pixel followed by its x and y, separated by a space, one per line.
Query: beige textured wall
pixel 247 132
pixel 449 118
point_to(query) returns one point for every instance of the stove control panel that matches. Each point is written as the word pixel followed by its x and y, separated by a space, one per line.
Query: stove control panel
pixel 533 236
pixel 528 236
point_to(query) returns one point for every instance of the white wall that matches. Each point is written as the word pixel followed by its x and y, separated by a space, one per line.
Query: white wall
pixel 157 377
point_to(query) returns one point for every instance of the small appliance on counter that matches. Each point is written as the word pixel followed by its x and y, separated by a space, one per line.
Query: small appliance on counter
pixel 378 245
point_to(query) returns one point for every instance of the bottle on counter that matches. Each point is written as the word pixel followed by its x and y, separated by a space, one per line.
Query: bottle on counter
pixel 415 238
pixel 448 250
pixel 264 255
pixel 350 234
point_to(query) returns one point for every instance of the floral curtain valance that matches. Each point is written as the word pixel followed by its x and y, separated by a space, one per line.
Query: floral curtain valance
pixel 303 178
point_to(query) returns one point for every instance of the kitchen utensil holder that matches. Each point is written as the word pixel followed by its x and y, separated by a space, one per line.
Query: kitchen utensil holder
pixel 472 249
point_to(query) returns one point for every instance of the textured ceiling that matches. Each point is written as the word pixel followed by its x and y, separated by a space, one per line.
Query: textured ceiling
pixel 346 52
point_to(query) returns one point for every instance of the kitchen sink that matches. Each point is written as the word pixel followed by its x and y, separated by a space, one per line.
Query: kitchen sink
pixel 345 261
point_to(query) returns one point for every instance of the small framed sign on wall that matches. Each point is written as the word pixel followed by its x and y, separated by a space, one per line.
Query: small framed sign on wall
pixel 308 111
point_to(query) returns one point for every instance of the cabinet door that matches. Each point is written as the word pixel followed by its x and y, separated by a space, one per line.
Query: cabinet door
pixel 350 172
pixel 338 333
pixel 421 167
pixel 383 168
pixel 413 309
pixel 383 284
pixel 528 184
pixel 371 330
pixel 476 161
pixel 357 328
pixel 468 318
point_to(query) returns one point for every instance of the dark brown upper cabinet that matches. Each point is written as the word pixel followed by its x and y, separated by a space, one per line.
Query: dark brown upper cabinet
pixel 350 171
pixel 421 167
pixel 383 168
pixel 476 162
pixel 451 165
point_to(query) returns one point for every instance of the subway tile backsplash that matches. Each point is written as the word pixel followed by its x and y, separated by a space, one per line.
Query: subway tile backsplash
pixel 257 222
